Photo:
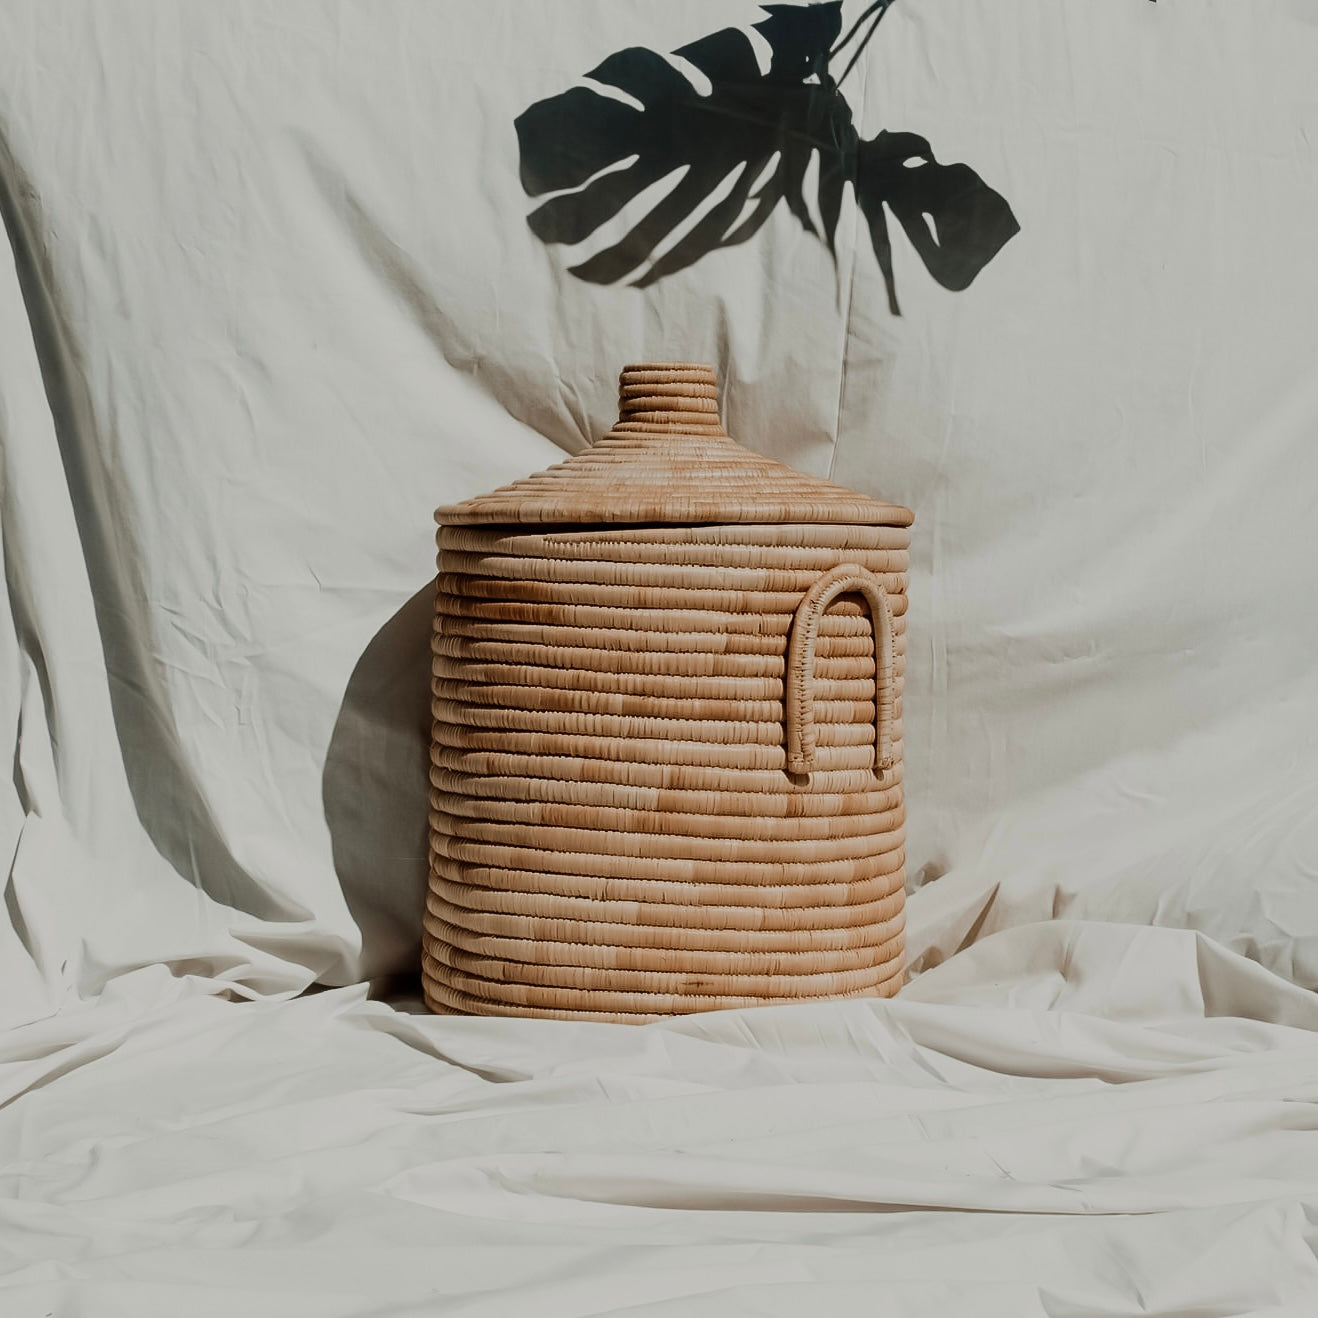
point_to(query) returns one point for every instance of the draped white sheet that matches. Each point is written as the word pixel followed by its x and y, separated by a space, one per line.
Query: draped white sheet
pixel 1021 1133
pixel 270 296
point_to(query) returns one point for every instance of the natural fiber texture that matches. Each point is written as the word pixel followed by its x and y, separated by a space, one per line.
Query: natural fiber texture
pixel 669 460
pixel 666 768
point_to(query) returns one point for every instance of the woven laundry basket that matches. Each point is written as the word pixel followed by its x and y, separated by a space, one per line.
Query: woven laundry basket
pixel 666 769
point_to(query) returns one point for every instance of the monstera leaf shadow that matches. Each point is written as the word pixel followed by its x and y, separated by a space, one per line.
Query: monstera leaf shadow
pixel 375 789
pixel 733 149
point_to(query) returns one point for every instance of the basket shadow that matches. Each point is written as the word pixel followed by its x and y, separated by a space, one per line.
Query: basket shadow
pixel 374 790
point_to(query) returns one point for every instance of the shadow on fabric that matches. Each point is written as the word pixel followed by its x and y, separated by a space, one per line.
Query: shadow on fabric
pixel 375 791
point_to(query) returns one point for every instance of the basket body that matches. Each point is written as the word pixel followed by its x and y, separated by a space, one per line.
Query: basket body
pixel 666 767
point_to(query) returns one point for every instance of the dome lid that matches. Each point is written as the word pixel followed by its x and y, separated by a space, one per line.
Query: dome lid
pixel 669 460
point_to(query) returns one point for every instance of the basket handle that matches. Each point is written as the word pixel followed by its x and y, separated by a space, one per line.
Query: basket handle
pixel 846 578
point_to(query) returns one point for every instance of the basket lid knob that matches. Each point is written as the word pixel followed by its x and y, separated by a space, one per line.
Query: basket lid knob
pixel 669 394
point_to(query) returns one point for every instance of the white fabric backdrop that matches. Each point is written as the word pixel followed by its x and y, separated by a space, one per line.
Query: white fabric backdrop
pixel 270 297
pixel 273 264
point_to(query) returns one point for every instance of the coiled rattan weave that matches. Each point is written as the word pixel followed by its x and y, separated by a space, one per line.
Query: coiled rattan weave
pixel 666 764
